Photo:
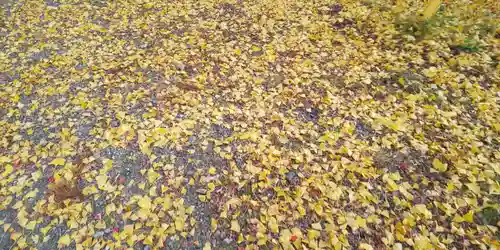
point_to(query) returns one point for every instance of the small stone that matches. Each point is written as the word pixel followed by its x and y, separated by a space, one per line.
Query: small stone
pixel 292 177
pixel 201 191
pixel 379 96
pixel 98 234
pixel 147 247
pixel 115 123
pixel 257 53
pixel 228 240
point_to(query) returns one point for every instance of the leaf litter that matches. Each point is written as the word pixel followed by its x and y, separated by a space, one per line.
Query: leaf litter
pixel 249 124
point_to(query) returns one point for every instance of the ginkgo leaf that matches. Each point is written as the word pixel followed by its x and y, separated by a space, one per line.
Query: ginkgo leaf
pixel 212 170
pixel 64 240
pixel 309 121
pixel 58 162
pixel 365 246
pixel 438 165
pixel 235 226
pixel 207 246
pixel 144 202
pixel 430 9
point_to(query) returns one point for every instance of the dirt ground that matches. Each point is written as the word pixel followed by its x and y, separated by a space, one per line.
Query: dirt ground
pixel 230 124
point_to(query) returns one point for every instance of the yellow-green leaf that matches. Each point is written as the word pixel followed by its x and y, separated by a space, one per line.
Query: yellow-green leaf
pixel 439 166
pixel 58 162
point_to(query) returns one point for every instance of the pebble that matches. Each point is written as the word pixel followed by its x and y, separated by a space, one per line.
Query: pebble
pixel 98 234
pixel 201 191
pixel 292 177
pixel 115 123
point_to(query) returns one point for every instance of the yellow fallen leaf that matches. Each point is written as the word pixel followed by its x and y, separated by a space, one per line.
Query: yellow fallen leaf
pixel 365 246
pixel 64 240
pixel 179 224
pixel 273 225
pixel 144 202
pixel 58 162
pixel 474 188
pixel 235 226
pixel 8 170
pixel 31 225
pixel 439 166
pixel 152 176
pixel 211 170
pixel 101 181
pixel 213 224
pixel 128 230
pixel 430 9
pixel 148 240
pixel 422 210
pixel 202 198
pixel 313 234
pixel 273 210
pixel 469 217
pixel 207 246
pixel 101 224
pixel 211 186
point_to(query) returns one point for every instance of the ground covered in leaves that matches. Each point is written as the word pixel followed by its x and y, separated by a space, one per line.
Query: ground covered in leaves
pixel 230 124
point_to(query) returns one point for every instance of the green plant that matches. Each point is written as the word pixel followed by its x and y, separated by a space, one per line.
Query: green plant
pixel 469 45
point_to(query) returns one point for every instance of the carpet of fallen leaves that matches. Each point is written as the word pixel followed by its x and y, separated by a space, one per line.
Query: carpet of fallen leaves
pixel 230 124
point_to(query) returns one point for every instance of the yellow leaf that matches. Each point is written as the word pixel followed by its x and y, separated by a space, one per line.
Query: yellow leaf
pixel 128 230
pixel 213 224
pixel 58 162
pixel 273 210
pixel 235 226
pixel 31 194
pixel 207 246
pixel 474 188
pixel 360 221
pixel 101 181
pixel 152 191
pixel 469 217
pixel 31 225
pixel 110 208
pixel 179 224
pixel 273 225
pixel 145 202
pixel 317 226
pixel 430 9
pixel 365 246
pixel 313 234
pixel 439 166
pixel 152 176
pixel 64 240
pixel 148 240
pixel 211 170
pixel 101 224
pixel 422 210
pixel 285 237
pixel 167 202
